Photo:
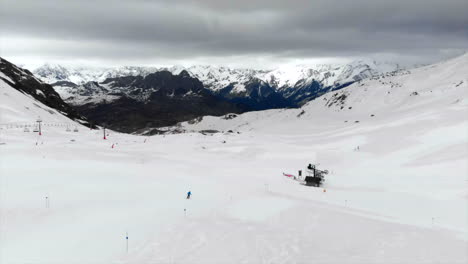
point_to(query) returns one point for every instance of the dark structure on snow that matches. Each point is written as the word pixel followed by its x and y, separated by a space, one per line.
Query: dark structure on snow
pixel 316 177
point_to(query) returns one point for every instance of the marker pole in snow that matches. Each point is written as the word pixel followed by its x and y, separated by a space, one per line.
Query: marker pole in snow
pixel 105 132
pixel 185 212
pixel 47 202
pixel 39 125
pixel 126 238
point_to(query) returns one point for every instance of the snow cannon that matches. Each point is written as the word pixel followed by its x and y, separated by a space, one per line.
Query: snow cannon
pixel 315 176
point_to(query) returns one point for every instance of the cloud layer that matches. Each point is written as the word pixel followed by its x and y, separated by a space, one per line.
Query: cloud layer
pixel 162 32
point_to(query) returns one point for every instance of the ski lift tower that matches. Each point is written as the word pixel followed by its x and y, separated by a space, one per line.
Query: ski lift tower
pixel 39 121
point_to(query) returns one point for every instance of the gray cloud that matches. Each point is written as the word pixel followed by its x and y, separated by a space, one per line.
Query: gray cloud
pixel 144 31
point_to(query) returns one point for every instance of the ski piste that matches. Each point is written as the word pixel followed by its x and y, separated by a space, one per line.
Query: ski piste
pixel 400 199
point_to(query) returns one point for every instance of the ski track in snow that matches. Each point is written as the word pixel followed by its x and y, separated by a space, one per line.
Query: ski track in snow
pixel 99 193
pixel 401 198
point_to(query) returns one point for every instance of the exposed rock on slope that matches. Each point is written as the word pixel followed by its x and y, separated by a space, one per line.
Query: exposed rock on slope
pixel 158 99
pixel 24 81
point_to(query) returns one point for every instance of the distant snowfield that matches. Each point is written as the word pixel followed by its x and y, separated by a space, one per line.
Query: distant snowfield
pixel 401 198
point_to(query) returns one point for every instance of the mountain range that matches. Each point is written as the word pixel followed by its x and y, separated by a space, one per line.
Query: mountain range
pixel 295 83
pixel 132 97
pixel 404 97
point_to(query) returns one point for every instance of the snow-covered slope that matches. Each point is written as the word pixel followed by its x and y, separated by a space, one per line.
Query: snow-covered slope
pixel 400 135
pixel 385 93
pixel 23 91
pixel 327 74
pixel 18 109
pixel 396 192
pixel 90 92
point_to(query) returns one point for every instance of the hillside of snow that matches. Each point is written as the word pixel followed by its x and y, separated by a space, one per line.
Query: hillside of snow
pixel 384 95
pixel 329 75
pixel 395 147
pixel 20 109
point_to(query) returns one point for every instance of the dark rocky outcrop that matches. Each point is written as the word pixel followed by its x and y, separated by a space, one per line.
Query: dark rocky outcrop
pixel 156 100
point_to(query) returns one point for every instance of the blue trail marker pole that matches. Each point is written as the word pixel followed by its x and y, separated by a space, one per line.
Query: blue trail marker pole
pixel 126 238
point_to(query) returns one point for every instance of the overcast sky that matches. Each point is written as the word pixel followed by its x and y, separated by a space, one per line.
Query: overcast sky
pixel 245 33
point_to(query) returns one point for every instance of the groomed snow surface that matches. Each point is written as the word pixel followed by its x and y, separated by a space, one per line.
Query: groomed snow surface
pixel 401 198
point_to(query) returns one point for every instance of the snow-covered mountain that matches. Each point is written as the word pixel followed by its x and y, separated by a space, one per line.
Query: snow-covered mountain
pixel 444 85
pixel 45 100
pixel 52 73
pixel 296 84
pixel 216 78
pixel 301 83
pixel 131 103
pixel 213 77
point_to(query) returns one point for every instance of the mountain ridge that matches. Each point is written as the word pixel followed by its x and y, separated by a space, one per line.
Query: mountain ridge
pixel 443 84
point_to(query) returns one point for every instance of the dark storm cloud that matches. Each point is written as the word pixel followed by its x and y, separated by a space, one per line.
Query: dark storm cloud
pixel 144 29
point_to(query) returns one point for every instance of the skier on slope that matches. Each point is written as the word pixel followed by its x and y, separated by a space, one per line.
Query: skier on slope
pixel 189 194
